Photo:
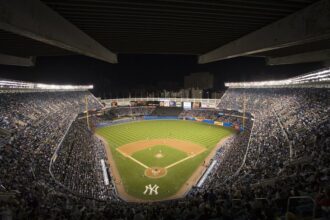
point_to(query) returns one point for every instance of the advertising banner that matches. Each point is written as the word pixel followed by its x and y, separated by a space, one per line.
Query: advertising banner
pixel 153 103
pixel 187 105
pixel 141 103
pixel 219 123
pixel 166 103
pixel 172 104
pixel 199 118
pixel 124 103
pixel 196 105
pixel 227 124
pixel 148 117
pixel 208 121
pixel 207 105
pixel 178 104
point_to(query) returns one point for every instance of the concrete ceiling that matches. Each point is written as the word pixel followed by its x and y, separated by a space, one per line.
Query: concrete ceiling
pixel 159 27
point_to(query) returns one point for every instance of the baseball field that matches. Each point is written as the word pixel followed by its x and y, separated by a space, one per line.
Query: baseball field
pixel 161 159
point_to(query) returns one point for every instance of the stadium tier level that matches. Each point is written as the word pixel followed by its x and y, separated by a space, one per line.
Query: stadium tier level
pixel 62 142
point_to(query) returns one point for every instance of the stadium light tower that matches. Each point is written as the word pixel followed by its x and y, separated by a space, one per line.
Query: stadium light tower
pixel 244 106
pixel 87 119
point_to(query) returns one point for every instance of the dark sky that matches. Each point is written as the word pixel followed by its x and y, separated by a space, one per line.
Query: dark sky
pixel 134 72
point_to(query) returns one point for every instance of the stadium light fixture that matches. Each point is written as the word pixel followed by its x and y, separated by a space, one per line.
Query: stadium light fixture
pixel 12 84
pixel 63 87
pixel 319 76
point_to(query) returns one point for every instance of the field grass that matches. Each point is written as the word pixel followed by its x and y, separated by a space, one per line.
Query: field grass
pixel 148 156
pixel 132 174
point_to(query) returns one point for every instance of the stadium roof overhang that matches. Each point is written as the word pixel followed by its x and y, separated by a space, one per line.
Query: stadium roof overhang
pixel 212 30
pixel 315 79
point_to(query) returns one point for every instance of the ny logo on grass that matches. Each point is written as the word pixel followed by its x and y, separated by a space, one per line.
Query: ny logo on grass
pixel 151 189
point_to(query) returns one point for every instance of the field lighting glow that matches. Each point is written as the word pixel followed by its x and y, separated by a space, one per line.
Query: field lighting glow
pixel 10 84
pixel 318 76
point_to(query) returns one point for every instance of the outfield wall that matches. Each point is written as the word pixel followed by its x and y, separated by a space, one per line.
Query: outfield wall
pixel 212 122
pixel 117 121
pixel 199 119
pixel 161 118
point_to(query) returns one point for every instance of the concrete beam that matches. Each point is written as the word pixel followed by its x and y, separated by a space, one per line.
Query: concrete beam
pixel 308 25
pixel 326 63
pixel 33 19
pixel 315 56
pixel 16 61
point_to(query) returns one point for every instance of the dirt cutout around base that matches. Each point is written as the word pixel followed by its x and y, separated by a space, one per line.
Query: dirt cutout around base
pixel 159 155
pixel 155 172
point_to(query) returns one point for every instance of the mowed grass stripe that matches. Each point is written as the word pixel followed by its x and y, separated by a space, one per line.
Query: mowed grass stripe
pixel 129 135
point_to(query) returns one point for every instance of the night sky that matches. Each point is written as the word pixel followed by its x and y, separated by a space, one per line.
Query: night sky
pixel 134 73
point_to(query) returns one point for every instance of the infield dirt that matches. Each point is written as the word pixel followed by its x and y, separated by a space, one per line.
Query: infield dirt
pixel 185 146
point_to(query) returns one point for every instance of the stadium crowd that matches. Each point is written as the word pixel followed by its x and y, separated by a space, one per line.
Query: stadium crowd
pixel 78 163
pixel 202 113
pixel 167 111
pixel 275 158
pixel 282 152
pixel 134 111
pixel 35 122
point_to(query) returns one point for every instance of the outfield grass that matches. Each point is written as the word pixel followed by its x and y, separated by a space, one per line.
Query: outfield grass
pixel 132 174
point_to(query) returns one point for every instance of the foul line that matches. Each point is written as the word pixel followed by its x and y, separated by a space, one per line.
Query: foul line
pixel 184 159
pixel 138 162
pixel 169 166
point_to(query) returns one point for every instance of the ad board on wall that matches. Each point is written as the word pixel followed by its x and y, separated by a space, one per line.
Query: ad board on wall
pixel 178 104
pixel 153 103
pixel 196 105
pixel 172 104
pixel 161 104
pixel 207 105
pixel 124 103
pixel 113 104
pixel 187 105
pixel 141 103
pixel 218 123
pixel 166 103
pixel 200 119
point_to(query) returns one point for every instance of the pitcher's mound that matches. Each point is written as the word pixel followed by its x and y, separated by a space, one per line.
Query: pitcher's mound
pixel 159 155
pixel 155 172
